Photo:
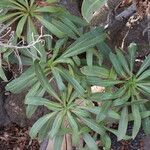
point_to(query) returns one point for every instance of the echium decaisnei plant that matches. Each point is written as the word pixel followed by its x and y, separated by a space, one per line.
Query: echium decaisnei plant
pixel 126 91
pixel 31 22
pixel 28 15
pixel 67 105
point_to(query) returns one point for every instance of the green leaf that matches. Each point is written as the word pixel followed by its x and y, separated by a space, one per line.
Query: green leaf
pixel 77 20
pixel 123 123
pixel 93 125
pixel 37 90
pixel 38 101
pixel 44 81
pixel 123 61
pixel 31 31
pixel 115 132
pixel 144 87
pixel 95 71
pixel 104 49
pixel 106 142
pixel 58 142
pixel 20 25
pixel 57 47
pixel 58 79
pixel 90 142
pixel 70 24
pixel 43 133
pixel 103 112
pixel 4 18
pixel 89 7
pixel 80 112
pixel 6 4
pixel 144 75
pixel 144 65
pixel 22 82
pixel 30 110
pixel 83 43
pixel 132 51
pixel 137 120
pixel 89 57
pixel 122 100
pixel 52 28
pixel 39 124
pixel 144 114
pixel 104 83
pixel 56 125
pixel 96 110
pixel 117 65
pixel 72 80
pixel 74 126
pixel 20 6
pixel 2 74
pixel 77 60
pixel 146 121
pixel 64 28
pixel 98 97
pixel 49 9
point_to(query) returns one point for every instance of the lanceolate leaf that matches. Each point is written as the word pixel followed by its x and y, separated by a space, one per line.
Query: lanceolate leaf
pixel 122 100
pixel 72 80
pixel 35 90
pixel 116 64
pixel 89 56
pixel 20 25
pixel 89 7
pixel 115 132
pixel 93 125
pixel 137 120
pixel 101 82
pixel 144 75
pixel 49 9
pixel 144 65
pixel 58 79
pixel 37 101
pixel 144 87
pixel 146 121
pixel 132 51
pixel 51 27
pixel 123 61
pixel 95 71
pixel 86 41
pixel 106 141
pixel 123 123
pixel 2 74
pixel 38 124
pixel 103 112
pixel 90 142
pixel 101 96
pixel 44 81
pixel 56 125
pixel 74 126
pixel 20 83
pixel 58 142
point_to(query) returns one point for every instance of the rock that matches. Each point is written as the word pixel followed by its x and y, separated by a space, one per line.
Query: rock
pixel 146 141
pixel 136 33
pixel 71 6
pixel 4 119
pixel 16 110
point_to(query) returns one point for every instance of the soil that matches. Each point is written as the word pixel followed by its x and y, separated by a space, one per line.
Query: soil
pixel 136 144
pixel 14 137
